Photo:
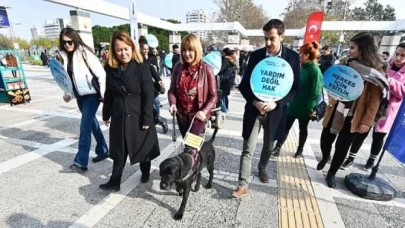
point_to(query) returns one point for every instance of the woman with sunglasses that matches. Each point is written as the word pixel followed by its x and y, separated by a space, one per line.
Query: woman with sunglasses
pixel 396 79
pixel 82 65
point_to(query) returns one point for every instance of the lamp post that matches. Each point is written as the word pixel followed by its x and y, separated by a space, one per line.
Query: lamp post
pixel 133 21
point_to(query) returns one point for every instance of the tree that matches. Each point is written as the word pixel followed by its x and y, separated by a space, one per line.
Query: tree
pixel 44 42
pixel 373 11
pixel 103 34
pixel 250 15
pixel 5 42
pixel 24 44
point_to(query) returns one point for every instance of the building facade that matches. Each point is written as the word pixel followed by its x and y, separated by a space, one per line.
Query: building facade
pixel 51 29
pixel 197 16
pixel 37 32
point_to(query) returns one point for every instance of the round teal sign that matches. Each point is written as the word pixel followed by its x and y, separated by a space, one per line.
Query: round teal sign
pixel 168 60
pixel 214 59
pixel 343 83
pixel 272 79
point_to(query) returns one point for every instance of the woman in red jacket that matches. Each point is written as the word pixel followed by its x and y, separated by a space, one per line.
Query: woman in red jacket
pixel 193 91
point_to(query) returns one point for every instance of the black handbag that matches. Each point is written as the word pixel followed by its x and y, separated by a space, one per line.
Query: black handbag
pixel 94 80
pixel 320 109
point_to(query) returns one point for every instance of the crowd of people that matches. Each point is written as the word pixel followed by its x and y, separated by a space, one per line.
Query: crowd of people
pixel 129 85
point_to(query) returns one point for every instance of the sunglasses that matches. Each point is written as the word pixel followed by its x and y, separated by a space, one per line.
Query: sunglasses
pixel 402 55
pixel 69 42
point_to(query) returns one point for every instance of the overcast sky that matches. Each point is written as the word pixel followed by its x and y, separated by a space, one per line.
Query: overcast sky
pixel 34 12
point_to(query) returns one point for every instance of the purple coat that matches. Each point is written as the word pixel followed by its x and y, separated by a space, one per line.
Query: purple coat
pixel 397 90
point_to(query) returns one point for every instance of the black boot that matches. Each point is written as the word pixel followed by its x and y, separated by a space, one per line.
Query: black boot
pixel 298 154
pixel 276 151
pixel 145 169
pixel 330 180
pixel 322 163
pixel 111 185
pixel 163 122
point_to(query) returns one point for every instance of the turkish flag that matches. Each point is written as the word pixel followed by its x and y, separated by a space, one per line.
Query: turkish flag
pixel 313 28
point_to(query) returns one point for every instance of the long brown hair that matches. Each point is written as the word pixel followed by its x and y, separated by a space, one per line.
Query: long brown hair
pixel 368 49
pixel 124 37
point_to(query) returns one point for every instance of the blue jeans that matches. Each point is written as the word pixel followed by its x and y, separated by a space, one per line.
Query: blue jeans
pixel 156 105
pixel 88 106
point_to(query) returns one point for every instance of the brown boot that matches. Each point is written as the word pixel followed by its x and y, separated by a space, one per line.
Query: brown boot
pixel 240 192
pixel 264 178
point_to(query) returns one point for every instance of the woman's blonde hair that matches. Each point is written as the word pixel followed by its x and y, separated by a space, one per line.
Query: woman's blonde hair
pixel 124 37
pixel 191 42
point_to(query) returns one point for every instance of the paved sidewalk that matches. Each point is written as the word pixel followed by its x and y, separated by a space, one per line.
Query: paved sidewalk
pixel 38 142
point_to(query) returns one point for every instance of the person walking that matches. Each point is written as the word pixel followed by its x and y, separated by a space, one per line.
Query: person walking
pixel 396 79
pixel 327 59
pixel 269 115
pixel 345 120
pixel 82 65
pixel 193 89
pixel 227 75
pixel 159 85
pixel 303 106
pixel 128 107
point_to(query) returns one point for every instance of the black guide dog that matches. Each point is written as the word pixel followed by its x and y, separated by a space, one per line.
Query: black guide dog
pixel 183 169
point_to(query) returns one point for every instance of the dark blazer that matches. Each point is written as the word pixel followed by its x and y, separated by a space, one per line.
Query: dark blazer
pixel 277 117
pixel 128 102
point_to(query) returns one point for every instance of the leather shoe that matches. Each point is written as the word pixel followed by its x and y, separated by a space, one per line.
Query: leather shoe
pixel 99 158
pixel 330 180
pixel 322 163
pixel 264 178
pixel 110 186
pixel 240 192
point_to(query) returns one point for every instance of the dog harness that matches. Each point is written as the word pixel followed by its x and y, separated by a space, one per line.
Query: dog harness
pixel 194 164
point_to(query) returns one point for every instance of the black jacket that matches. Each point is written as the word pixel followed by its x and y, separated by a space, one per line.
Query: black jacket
pixel 326 61
pixel 128 102
pixel 277 117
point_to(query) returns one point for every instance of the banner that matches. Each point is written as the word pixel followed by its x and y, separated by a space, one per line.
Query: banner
pixel 313 28
pixel 214 59
pixel 152 41
pixel 168 60
pixel 395 143
pixel 3 17
pixel 272 79
pixel 61 77
pixel 343 83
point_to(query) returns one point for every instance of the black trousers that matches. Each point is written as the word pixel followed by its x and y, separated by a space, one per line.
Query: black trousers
pixel 303 126
pixel 119 165
pixel 343 143
pixel 376 145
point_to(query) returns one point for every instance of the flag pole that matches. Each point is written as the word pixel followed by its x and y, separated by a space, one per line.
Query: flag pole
pixel 372 187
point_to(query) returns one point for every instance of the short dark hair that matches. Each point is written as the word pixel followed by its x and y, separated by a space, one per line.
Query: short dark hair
pixel 274 24
pixel 175 46
pixel 325 48
pixel 401 45
pixel 387 53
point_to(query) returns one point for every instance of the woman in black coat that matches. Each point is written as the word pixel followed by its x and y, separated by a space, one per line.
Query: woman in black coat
pixel 128 101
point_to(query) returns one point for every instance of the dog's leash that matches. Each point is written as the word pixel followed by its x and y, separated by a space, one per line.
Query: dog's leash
pixel 174 137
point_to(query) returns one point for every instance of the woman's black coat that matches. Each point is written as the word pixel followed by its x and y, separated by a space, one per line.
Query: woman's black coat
pixel 128 101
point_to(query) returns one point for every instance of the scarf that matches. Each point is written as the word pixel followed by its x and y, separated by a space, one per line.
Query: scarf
pixel 345 109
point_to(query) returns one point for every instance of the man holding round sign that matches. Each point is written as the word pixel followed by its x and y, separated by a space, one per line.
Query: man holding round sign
pixel 271 81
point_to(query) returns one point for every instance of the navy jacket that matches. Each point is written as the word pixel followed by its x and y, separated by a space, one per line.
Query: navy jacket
pixel 277 117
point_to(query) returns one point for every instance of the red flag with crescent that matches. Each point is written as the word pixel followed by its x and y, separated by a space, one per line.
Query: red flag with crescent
pixel 313 28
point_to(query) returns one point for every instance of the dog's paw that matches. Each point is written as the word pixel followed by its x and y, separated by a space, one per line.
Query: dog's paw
pixel 208 186
pixel 178 216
